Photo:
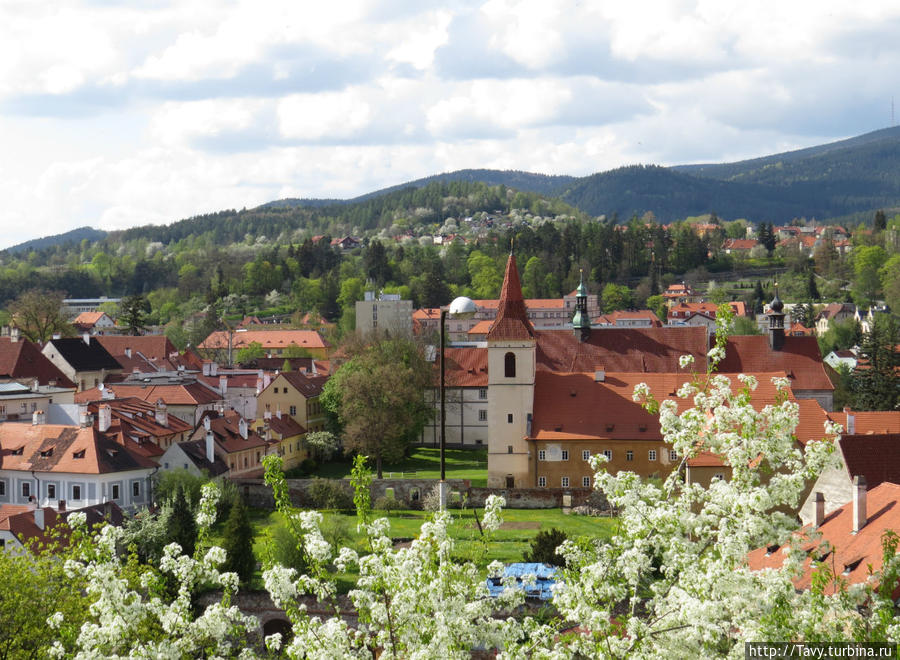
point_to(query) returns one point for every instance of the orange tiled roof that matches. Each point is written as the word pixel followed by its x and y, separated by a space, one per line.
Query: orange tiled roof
pixel 480 328
pixel 285 426
pixel 635 314
pixel 153 347
pixel 512 317
pixel 58 448
pixel 88 319
pixel 853 554
pixel 190 394
pixel 226 431
pixel 466 367
pixel 799 358
pixel 268 339
pixel 869 422
pixel 570 406
pixel 648 350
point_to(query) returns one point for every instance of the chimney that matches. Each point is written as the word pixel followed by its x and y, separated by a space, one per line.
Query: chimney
pixel 128 352
pixel 206 368
pixel 162 415
pixel 213 368
pixel 60 505
pixel 87 338
pixel 223 385
pixel 210 448
pixel 599 376
pixel 278 413
pixel 859 503
pixel 267 414
pixel 37 418
pixel 820 509
pixel 206 423
pixel 13 334
pixel 242 428
pixel 104 418
pixel 84 419
pixel 107 393
pixel 851 424
pixel 39 517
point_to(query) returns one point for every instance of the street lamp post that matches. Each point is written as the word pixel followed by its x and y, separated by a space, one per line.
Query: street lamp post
pixel 461 307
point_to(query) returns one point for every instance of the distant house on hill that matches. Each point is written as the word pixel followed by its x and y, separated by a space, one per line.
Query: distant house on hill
pixel 273 342
pixel 93 322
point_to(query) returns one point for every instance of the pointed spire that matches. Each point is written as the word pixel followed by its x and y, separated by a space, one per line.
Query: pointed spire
pixel 581 323
pixel 512 316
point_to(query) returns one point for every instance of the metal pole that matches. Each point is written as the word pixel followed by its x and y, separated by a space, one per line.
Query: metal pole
pixel 443 484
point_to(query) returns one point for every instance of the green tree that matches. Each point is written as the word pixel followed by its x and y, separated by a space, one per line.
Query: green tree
pixel 840 336
pixel 182 528
pixel 890 282
pixel 876 383
pixel 544 545
pixel 133 313
pixel 744 325
pixel 238 543
pixel 657 305
pixel 812 290
pixel 38 315
pixel 376 397
pixel 534 278
pixel 252 351
pixel 867 260
pixel 880 221
pixel 615 296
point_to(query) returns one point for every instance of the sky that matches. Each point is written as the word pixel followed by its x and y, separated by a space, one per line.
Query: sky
pixel 118 114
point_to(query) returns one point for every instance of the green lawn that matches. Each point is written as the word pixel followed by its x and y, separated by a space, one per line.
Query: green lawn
pixel 424 463
pixel 509 543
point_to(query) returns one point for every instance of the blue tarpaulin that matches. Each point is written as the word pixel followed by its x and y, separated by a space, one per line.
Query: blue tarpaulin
pixel 544 578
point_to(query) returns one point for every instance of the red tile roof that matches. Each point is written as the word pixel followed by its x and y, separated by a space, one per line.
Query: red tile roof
pixel 853 554
pixel 285 426
pixel 226 431
pixel 649 350
pixel 799 358
pixel 268 339
pixel 570 406
pixel 307 385
pixel 512 317
pixel 153 347
pixel 88 319
pixel 23 359
pixel 875 457
pixel 870 422
pixel 58 448
pixel 190 394
pixel 633 314
pixel 466 367
pixel 20 520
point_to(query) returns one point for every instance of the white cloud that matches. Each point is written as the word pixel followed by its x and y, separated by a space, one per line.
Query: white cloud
pixel 318 116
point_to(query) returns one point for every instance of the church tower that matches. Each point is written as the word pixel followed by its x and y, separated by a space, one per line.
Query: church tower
pixel 511 366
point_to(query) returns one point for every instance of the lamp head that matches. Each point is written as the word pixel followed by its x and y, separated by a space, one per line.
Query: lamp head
pixel 462 308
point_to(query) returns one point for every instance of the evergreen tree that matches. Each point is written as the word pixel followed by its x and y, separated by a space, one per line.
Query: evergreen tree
pixel 811 289
pixel 182 528
pixel 238 543
pixel 880 220
pixel 876 383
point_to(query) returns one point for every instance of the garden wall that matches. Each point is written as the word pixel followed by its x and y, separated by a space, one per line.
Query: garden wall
pixel 411 491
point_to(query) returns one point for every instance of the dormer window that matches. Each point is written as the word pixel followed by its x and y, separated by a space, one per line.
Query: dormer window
pixel 18 451
pixel 78 454
pixel 45 453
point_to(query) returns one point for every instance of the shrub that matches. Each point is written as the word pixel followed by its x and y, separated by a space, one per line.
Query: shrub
pixel 336 530
pixel 329 494
pixel 388 503
pixel 282 547
pixel 544 545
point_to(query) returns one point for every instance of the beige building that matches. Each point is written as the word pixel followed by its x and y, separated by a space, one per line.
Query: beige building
pixel 466 398
pixel 385 313
pixel 296 395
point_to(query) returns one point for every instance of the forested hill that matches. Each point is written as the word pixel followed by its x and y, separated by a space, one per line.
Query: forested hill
pixel 542 184
pixel 73 237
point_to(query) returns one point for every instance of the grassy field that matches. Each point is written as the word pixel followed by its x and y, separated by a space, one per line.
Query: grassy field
pixel 509 544
pixel 424 463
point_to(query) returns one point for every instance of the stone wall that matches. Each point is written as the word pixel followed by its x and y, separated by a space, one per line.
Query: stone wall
pixel 411 491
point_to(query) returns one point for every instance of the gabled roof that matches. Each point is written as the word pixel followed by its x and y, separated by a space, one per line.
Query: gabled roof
pixel 512 316
pixel 152 347
pixel 874 422
pixel 874 457
pixel 631 314
pixel 227 434
pixel 853 554
pixel 58 448
pixel 574 406
pixel 285 426
pixel 195 450
pixel 465 367
pixel 647 350
pixel 832 310
pixel 799 358
pixel 308 386
pixel 188 394
pixel 268 339
pixel 23 359
pixel 89 319
pixel 20 520
pixel 83 356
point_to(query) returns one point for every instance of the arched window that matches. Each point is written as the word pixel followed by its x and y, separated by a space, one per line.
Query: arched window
pixel 509 365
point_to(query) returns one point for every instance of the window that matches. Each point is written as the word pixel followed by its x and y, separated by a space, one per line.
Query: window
pixel 542 482
pixel 51 491
pixel 26 489
pixel 718 476
pixel 292 410
pixel 629 455
pixel 115 492
pixel 482 415
pixel 482 393
pixel 509 365
pixel 673 455
pixel 76 492
pixel 257 457
pixel 585 455
pixel 608 454
pixel 651 455
pixel 136 489
pixel 565 454
pixel 565 482
pixel 542 455
pixel 509 418
pixel 2 488
pixel 508 449
pixel 585 482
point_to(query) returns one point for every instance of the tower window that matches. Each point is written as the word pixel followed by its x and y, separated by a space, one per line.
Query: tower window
pixel 509 418
pixel 509 365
